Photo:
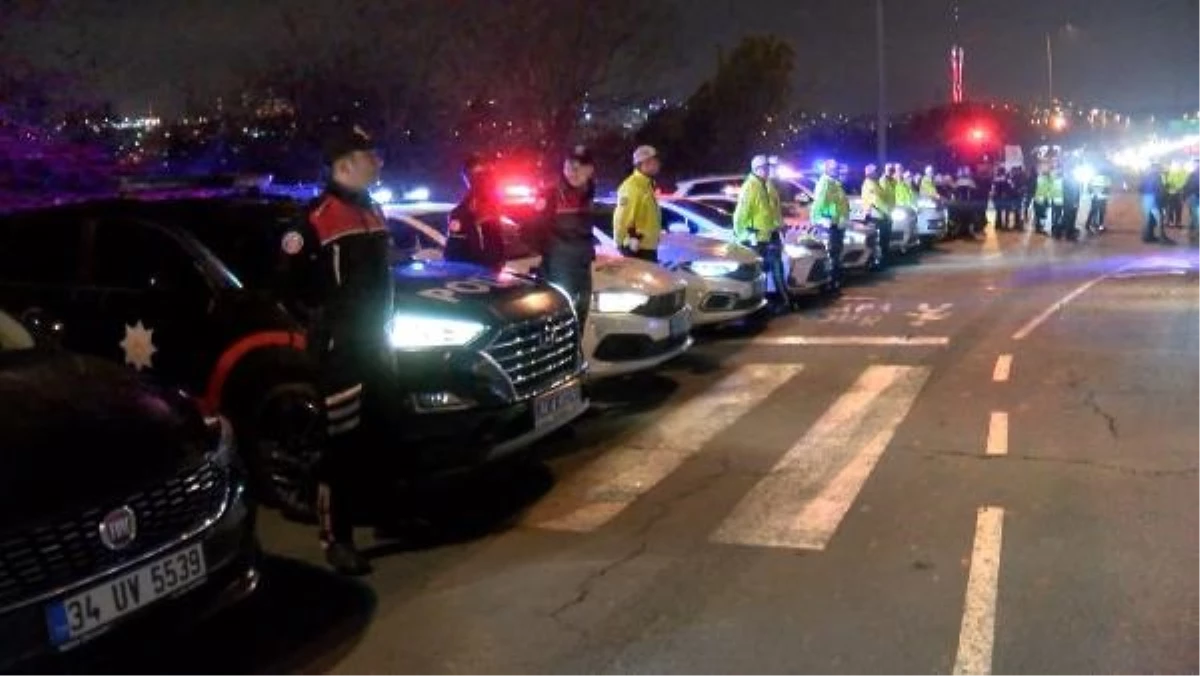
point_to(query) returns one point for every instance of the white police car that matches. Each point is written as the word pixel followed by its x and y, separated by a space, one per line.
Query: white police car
pixel 639 316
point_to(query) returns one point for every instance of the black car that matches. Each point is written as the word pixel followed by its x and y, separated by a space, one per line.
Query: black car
pixel 184 289
pixel 121 504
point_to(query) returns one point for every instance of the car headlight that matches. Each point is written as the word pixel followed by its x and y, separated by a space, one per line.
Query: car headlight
pixel 618 301
pixel 796 250
pixel 222 443
pixel 927 203
pixel 416 332
pixel 712 268
pixel 899 215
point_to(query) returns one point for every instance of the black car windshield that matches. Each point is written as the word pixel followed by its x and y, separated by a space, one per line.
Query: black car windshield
pixel 13 335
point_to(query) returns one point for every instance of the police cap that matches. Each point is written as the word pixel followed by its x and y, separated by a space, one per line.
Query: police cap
pixel 343 140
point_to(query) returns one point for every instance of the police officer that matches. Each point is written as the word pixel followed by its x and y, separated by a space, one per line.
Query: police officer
pixel 757 221
pixel 568 250
pixel 831 207
pixel 1058 196
pixel 1041 198
pixel 475 232
pixel 637 220
pixel 1098 189
pixel 928 187
pixel 875 208
pixel 336 275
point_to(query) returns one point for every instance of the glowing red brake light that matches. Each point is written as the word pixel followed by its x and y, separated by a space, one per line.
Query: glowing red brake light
pixel 518 192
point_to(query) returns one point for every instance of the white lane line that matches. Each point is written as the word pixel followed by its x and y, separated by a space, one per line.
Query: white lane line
pixel 1024 331
pixel 997 439
pixel 978 633
pixel 785 508
pixel 1003 368
pixel 599 492
pixel 847 341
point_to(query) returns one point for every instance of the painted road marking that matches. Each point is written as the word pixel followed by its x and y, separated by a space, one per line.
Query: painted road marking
pixel 997 439
pixel 1029 327
pixel 852 341
pixel 1003 368
pixel 978 632
pixel 845 443
pixel 599 492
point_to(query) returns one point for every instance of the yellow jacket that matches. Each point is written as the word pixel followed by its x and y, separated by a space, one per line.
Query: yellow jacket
pixel 637 210
pixel 757 209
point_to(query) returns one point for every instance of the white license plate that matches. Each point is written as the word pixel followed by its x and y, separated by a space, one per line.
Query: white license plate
pixel 92 609
pixel 680 324
pixel 554 407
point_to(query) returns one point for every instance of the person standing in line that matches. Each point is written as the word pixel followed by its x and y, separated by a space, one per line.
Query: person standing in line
pixel 757 223
pixel 568 250
pixel 1191 193
pixel 335 274
pixel 1099 189
pixel 474 229
pixel 637 220
pixel 831 207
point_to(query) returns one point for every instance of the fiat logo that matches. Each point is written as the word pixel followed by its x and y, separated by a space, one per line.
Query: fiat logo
pixel 118 528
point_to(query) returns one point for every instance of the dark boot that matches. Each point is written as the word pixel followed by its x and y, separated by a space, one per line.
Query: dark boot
pixel 346 559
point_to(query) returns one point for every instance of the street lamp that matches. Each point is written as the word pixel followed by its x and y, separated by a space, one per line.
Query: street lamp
pixel 881 111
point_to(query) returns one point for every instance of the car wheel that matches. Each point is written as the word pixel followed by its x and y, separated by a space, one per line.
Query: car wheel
pixel 287 433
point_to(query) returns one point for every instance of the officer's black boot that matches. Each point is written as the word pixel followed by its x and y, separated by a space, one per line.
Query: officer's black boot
pixel 345 558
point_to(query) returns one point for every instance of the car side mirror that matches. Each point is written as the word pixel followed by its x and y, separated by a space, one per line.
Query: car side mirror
pixel 46 329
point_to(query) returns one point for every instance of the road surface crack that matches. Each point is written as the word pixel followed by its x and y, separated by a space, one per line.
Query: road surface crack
pixel 1090 400
pixel 584 590
pixel 1094 464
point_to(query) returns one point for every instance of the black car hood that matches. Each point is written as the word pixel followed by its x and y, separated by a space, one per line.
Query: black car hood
pixel 80 432
pixel 465 291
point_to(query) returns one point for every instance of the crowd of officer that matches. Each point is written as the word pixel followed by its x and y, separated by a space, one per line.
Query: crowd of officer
pixel 336 258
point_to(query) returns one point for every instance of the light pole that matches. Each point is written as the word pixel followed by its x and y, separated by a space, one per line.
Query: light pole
pixel 1050 68
pixel 881 111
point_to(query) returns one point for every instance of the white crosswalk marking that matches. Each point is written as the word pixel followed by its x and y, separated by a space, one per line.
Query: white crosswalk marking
pixel 594 496
pixel 801 502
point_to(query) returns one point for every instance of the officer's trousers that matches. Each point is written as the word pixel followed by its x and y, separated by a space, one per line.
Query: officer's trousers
pixel 1096 213
pixel 837 241
pixel 772 255
pixel 572 272
pixel 349 370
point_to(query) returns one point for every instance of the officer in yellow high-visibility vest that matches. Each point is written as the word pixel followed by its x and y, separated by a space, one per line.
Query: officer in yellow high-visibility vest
pixel 928 187
pixel 1057 202
pixel 757 220
pixel 1099 189
pixel 1041 199
pixel 637 220
pixel 904 191
pixel 876 211
pixel 831 207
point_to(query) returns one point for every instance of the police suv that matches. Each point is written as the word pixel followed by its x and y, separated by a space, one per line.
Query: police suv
pixel 181 289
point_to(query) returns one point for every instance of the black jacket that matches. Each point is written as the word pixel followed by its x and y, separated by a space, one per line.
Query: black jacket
pixel 568 222
pixel 334 265
pixel 475 233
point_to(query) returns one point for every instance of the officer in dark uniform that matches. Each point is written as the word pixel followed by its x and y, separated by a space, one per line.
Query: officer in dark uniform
pixel 567 247
pixel 336 275
pixel 475 231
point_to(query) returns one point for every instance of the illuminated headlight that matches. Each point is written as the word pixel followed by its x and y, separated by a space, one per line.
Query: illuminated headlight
pixel 796 250
pixel 222 444
pixel 416 332
pixel 381 195
pixel 417 195
pixel 899 215
pixel 619 301
pixel 712 268
pixel 1084 174
pixel 926 203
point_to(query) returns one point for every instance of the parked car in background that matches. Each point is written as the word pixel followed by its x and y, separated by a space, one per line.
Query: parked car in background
pixel 123 506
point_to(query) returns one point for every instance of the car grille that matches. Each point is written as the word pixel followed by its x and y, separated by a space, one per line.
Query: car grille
pixel 818 273
pixel 747 272
pixel 61 553
pixel 538 354
pixel 663 305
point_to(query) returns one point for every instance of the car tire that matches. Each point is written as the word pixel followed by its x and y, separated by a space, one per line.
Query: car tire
pixel 282 432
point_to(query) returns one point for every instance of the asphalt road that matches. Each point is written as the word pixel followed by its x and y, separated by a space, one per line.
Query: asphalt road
pixel 983 460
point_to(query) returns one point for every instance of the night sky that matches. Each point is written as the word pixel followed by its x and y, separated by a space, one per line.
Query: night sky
pixel 1129 55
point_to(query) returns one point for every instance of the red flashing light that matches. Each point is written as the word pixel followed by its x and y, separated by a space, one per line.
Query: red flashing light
pixel 978 134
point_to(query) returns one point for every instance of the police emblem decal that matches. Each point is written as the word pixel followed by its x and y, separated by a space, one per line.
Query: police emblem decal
pixel 138 346
pixel 293 243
